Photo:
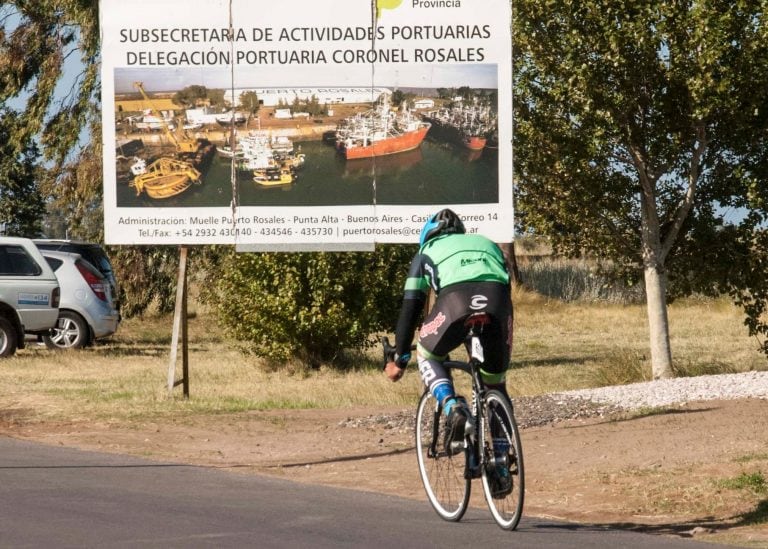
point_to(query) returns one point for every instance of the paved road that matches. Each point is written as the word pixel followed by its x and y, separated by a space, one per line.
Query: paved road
pixel 60 497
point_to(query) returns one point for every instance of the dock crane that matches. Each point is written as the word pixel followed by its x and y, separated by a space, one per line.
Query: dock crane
pixel 184 144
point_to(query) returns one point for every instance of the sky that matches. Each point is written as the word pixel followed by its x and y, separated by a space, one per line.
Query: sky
pixel 391 76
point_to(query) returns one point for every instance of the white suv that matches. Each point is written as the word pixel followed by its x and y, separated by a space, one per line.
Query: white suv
pixel 29 293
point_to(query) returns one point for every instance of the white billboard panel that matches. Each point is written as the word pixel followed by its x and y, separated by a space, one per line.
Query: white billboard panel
pixel 297 121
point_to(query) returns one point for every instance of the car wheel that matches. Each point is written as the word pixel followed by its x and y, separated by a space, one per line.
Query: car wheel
pixel 8 338
pixel 71 332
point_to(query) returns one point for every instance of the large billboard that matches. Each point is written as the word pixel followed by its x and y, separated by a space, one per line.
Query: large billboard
pixel 302 122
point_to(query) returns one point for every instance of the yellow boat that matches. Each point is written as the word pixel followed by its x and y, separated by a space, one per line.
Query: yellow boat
pixel 273 176
pixel 166 177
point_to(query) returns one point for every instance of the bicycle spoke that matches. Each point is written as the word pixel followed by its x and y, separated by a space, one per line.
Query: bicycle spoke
pixel 442 474
pixel 503 475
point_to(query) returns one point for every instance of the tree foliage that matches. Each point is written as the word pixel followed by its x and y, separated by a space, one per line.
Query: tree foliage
pixel 76 195
pixel 21 201
pixel 250 101
pixel 40 114
pixel 147 276
pixel 637 122
pixel 40 41
pixel 310 305
pixel 189 96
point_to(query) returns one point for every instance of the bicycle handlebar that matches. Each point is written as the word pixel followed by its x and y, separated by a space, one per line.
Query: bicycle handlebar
pixel 388 351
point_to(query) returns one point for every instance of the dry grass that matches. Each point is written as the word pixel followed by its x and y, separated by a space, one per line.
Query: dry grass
pixel 558 346
pixel 126 377
pixel 578 345
pixel 574 280
pixel 654 492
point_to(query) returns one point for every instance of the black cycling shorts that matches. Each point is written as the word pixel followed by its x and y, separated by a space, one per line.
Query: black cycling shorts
pixel 443 330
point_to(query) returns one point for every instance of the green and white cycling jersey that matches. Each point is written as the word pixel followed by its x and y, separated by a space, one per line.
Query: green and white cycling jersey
pixel 451 264
pixel 452 259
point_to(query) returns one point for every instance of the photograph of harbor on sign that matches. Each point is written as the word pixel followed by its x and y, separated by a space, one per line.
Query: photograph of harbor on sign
pixel 306 146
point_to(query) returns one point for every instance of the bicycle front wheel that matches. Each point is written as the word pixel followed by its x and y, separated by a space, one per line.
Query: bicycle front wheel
pixel 441 473
pixel 502 474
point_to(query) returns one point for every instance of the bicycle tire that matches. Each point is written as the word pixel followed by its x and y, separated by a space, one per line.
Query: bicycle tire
pixel 506 506
pixel 442 474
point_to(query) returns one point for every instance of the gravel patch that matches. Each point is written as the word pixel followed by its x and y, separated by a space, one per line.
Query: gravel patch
pixel 670 392
pixel 532 411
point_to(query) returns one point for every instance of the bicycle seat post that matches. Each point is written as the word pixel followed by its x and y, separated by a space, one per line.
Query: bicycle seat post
pixel 475 322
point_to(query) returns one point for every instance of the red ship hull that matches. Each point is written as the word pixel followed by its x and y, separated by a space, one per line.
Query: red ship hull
pixel 474 142
pixel 391 145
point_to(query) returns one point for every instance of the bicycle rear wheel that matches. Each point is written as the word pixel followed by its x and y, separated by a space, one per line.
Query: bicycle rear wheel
pixel 503 475
pixel 442 474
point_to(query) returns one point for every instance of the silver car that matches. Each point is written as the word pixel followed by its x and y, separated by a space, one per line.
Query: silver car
pixel 91 252
pixel 87 310
pixel 29 294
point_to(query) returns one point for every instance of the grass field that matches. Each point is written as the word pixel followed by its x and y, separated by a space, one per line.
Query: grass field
pixel 558 346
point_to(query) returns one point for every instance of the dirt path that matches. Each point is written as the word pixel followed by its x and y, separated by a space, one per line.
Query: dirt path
pixel 671 473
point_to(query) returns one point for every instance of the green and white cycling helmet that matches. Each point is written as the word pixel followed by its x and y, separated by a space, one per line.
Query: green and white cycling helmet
pixel 443 222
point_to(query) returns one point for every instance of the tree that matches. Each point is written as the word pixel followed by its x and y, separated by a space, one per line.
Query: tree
pixel 38 41
pixel 250 101
pixel 44 109
pixel 216 97
pixel 466 93
pixel 189 96
pixel 313 105
pixel 21 202
pixel 76 195
pixel 636 120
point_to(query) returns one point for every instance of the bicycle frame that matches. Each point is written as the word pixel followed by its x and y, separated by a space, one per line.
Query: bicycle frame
pixel 472 367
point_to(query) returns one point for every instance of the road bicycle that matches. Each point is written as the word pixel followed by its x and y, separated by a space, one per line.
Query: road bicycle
pixel 491 449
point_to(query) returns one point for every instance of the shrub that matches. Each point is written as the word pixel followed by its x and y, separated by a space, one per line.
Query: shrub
pixel 310 306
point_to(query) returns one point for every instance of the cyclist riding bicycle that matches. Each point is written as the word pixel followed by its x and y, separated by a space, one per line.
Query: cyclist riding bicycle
pixel 468 275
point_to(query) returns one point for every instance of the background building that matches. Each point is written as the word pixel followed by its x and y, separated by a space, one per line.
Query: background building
pixel 272 97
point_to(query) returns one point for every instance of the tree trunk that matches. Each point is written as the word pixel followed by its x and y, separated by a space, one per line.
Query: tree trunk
pixel 655 280
pixel 658 322
pixel 508 249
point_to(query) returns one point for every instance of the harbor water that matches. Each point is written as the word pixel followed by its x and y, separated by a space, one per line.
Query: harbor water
pixel 434 173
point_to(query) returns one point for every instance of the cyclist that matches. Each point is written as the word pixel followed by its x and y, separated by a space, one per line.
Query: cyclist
pixel 468 275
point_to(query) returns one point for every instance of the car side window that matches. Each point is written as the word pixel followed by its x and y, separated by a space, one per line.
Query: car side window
pixel 15 261
pixel 54 263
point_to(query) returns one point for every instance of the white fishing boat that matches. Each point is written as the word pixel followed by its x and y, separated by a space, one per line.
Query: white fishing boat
pixel 231 117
